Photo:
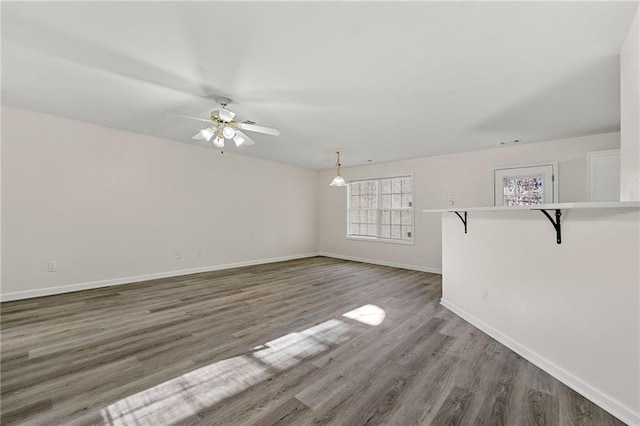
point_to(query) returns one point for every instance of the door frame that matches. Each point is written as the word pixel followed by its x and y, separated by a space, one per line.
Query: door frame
pixel 554 168
pixel 591 171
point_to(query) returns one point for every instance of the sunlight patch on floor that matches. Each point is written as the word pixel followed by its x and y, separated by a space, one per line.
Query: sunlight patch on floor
pixel 179 399
pixel 367 314
pixel 287 351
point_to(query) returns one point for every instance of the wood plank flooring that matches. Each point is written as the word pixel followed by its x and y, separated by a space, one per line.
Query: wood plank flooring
pixel 269 344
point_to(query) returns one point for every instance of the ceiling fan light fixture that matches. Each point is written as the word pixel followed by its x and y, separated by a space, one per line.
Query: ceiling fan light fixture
pixel 219 142
pixel 239 140
pixel 222 125
pixel 207 134
pixel 228 132
pixel 338 180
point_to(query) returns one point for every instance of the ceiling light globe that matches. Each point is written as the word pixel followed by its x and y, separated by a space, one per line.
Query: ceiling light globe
pixel 219 142
pixel 239 140
pixel 228 132
pixel 206 134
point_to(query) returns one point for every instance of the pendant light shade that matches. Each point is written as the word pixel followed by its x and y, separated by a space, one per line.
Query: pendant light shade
pixel 219 142
pixel 207 134
pixel 239 140
pixel 338 180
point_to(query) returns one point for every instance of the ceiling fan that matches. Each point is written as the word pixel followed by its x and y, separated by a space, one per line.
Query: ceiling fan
pixel 222 125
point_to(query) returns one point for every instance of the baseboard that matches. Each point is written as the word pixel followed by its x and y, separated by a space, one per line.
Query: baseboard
pixel 383 263
pixel 607 403
pixel 138 278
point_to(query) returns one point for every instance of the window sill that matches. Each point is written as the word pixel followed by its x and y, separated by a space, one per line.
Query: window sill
pixel 380 240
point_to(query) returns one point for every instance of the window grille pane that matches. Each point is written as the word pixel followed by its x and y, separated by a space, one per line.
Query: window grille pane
pixel 406 217
pixel 372 230
pixel 354 188
pixel 396 232
pixel 385 231
pixel 509 187
pixel 363 216
pixel 354 229
pixel 385 186
pixel 373 216
pixel 385 217
pixel 406 232
pixel 371 202
pixel 407 185
pixel 407 200
pixel 385 201
pixel 396 201
pixel 396 186
pixel 395 217
pixel 355 202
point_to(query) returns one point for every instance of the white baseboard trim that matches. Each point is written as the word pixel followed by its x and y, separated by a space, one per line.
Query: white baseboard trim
pixel 607 403
pixel 28 294
pixel 383 263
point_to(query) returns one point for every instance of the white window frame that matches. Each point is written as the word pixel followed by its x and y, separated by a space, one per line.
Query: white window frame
pixel 378 221
pixel 554 167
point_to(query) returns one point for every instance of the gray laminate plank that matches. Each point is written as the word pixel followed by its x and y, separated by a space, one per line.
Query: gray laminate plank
pixel 248 345
pixel 455 407
pixel 542 409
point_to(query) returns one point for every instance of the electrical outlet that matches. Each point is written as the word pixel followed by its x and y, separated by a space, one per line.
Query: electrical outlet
pixel 450 199
pixel 52 266
pixel 178 255
pixel 485 295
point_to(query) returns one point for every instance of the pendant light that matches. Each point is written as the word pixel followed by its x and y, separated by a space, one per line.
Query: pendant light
pixel 338 180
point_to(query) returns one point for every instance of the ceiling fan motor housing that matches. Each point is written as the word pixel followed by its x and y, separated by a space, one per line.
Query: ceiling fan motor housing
pixel 223 102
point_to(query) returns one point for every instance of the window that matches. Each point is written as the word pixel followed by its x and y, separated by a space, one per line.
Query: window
pixel 525 185
pixel 381 209
pixel 523 191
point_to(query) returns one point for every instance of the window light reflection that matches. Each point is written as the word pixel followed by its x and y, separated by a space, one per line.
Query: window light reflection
pixel 179 399
pixel 367 314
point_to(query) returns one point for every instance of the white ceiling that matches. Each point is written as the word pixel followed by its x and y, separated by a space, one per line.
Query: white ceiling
pixel 379 80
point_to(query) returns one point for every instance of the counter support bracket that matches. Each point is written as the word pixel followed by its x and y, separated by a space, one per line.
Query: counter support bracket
pixel 556 224
pixel 464 221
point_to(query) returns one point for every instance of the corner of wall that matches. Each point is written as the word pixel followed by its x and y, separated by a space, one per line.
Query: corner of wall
pixel 630 114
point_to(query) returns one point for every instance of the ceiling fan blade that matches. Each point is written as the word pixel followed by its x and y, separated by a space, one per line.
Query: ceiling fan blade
pixel 247 139
pixel 197 137
pixel 226 115
pixel 206 120
pixel 259 129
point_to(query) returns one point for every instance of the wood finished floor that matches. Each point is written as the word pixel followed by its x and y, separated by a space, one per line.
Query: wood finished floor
pixel 266 345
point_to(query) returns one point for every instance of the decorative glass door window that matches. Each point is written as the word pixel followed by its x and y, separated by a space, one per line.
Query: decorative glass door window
pixel 523 191
pixel 525 185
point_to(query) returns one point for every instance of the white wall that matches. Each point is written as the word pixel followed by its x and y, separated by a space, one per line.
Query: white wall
pixel 467 176
pixel 572 308
pixel 630 114
pixel 108 204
